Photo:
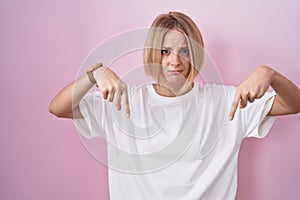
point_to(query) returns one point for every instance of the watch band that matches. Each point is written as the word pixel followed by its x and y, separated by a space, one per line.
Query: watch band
pixel 90 72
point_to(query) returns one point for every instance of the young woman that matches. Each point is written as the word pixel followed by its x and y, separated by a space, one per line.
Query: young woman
pixel 178 139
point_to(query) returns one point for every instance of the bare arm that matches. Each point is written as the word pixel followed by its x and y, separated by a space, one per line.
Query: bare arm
pixel 255 86
pixel 287 99
pixel 66 103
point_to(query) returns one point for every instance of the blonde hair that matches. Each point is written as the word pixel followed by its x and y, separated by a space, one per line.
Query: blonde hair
pixel 159 28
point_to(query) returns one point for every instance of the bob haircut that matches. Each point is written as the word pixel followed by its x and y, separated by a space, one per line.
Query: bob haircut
pixel 159 28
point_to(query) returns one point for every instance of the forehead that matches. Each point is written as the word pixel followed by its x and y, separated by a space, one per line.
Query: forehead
pixel 174 38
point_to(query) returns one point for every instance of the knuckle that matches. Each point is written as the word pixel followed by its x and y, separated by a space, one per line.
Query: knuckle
pixel 104 92
pixel 110 88
pixel 123 86
pixel 117 87
pixel 252 92
pixel 259 96
pixel 103 89
pixel 245 91
pixel 118 106
pixel 243 104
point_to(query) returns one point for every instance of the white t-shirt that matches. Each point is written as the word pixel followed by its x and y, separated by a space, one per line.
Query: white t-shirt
pixel 174 148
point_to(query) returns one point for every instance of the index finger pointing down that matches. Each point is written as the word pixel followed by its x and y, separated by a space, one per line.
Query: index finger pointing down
pixel 234 106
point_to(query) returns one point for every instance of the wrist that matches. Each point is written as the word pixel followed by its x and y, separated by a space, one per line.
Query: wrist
pixel 90 72
pixel 272 74
pixel 269 72
pixel 98 73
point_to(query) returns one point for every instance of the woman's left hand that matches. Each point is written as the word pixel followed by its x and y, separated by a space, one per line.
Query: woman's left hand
pixel 254 87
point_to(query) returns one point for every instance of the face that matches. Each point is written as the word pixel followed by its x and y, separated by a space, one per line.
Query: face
pixel 175 58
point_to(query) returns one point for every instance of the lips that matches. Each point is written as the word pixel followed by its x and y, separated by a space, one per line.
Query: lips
pixel 175 71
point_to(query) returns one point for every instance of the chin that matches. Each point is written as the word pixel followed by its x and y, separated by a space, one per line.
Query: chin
pixel 176 81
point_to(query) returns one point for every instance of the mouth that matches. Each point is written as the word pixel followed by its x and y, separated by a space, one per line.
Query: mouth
pixel 175 72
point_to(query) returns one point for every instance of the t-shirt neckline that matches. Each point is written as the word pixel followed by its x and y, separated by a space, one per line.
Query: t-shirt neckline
pixel 185 96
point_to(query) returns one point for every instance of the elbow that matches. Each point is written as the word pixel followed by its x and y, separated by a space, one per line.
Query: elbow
pixel 294 111
pixel 55 111
pixel 297 111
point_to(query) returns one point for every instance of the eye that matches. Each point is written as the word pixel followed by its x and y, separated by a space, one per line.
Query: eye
pixel 184 52
pixel 165 51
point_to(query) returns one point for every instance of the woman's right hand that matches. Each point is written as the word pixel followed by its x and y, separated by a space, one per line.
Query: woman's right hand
pixel 112 88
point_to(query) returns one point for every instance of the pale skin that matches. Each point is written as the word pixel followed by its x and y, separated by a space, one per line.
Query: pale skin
pixel 256 85
pixel 176 67
pixel 65 103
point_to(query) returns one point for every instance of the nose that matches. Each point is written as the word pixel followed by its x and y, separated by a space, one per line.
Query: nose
pixel 175 59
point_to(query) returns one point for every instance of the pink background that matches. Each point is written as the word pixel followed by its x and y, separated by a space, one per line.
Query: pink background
pixel 44 42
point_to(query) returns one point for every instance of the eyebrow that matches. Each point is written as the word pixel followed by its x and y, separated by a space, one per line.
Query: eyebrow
pixel 166 47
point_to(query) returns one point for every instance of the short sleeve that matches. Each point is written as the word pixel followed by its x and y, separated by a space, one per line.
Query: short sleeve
pixel 255 121
pixel 92 108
